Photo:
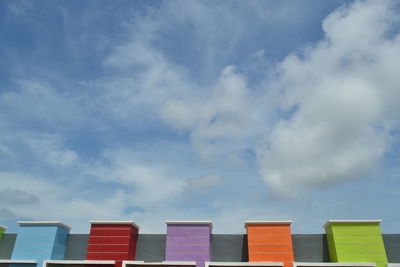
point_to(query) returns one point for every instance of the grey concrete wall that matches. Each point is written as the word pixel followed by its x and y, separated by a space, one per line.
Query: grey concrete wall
pixel 310 248
pixel 151 247
pixel 76 247
pixel 392 246
pixel 7 245
pixel 229 248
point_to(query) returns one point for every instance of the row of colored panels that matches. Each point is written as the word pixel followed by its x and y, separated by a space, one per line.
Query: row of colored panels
pixel 268 241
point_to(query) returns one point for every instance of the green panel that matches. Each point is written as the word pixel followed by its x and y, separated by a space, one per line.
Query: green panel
pixel 360 239
pixel 362 257
pixel 356 242
pixel 2 230
pixel 331 245
pixel 357 229
pixel 360 247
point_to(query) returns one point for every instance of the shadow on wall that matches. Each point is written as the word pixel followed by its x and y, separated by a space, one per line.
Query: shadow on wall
pixel 310 248
pixel 7 245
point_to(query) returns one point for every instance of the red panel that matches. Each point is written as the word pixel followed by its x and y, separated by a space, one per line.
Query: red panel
pixel 108 248
pixel 110 232
pixel 106 256
pixel 109 240
pixel 112 242
pixel 111 226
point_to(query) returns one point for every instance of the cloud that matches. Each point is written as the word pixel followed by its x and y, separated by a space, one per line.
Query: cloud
pixel 326 115
pixel 7 214
pixel 342 112
pixel 39 103
pixel 149 184
pixel 58 201
pixel 51 148
pixel 202 184
pixel 17 197
pixel 222 122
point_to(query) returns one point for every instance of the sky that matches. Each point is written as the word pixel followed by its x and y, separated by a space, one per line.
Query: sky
pixel 200 110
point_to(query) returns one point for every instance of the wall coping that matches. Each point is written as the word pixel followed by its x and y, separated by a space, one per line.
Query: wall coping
pixel 190 223
pixel 116 223
pixel 57 223
pixel 350 222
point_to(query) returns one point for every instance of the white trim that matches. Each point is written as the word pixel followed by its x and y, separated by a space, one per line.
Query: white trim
pixel 333 264
pixel 77 262
pixel 3 227
pixel 115 222
pixel 190 222
pixel 266 222
pixel 44 223
pixel 166 263
pixel 179 263
pixel 18 261
pixel 393 264
pixel 351 221
pixel 214 263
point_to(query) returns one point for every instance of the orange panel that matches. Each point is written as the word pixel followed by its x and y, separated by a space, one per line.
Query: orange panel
pixel 271 248
pixel 269 231
pixel 270 239
pixel 270 242
pixel 270 257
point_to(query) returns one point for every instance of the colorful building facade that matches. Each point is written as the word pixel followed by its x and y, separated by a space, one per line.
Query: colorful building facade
pixel 192 244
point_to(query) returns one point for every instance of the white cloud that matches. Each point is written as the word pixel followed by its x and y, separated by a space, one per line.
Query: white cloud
pixel 202 184
pixel 150 184
pixel 342 112
pixel 53 200
pixel 38 102
pixel 17 197
pixel 221 122
pixel 50 148
pixel 333 104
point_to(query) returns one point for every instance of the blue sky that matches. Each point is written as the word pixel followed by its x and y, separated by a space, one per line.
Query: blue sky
pixel 199 110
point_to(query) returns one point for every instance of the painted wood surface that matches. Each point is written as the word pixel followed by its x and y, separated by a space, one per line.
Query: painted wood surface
pixel 356 242
pixel 270 243
pixel 188 242
pixel 40 242
pixel 2 230
pixel 112 242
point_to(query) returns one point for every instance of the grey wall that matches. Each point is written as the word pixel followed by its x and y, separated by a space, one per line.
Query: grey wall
pixel 151 247
pixel 310 248
pixel 392 246
pixel 76 247
pixel 229 248
pixel 7 245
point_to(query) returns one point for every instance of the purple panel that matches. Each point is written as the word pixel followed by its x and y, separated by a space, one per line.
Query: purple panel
pixel 185 230
pixel 188 243
pixel 180 240
pixel 199 248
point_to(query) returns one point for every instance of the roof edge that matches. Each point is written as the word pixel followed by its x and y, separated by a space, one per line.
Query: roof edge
pixel 266 222
pixel 191 223
pixel 44 223
pixel 115 222
pixel 329 222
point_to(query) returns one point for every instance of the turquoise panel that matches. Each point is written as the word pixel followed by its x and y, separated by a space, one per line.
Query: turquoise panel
pixel 39 242
pixel 60 244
